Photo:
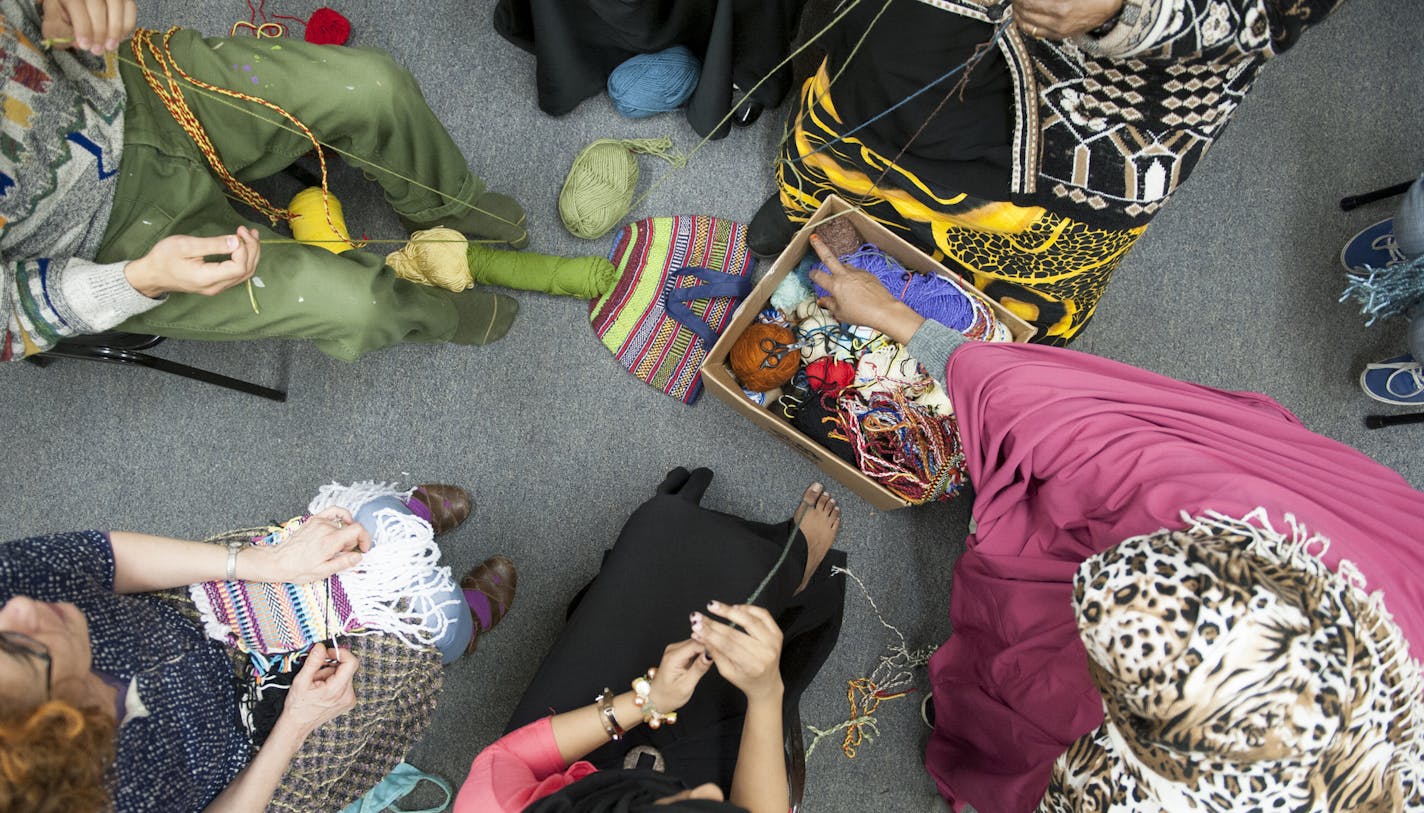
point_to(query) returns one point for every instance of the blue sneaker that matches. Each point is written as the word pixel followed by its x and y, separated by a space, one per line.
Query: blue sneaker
pixel 1398 381
pixel 1373 246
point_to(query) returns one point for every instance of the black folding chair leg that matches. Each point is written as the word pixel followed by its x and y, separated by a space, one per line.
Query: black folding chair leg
pixel 209 377
pixel 123 356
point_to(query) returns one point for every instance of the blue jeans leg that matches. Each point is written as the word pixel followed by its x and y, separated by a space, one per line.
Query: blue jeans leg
pixel 462 625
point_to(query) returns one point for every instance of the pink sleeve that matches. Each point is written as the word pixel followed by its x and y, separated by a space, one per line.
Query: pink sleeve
pixel 517 769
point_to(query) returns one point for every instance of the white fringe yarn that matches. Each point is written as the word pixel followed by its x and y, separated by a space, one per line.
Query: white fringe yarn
pixel 1302 550
pixel 396 586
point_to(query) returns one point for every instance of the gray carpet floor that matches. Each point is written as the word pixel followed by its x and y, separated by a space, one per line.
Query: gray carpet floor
pixel 1234 286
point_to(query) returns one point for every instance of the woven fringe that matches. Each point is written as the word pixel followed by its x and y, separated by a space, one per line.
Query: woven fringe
pixel 396 586
pixel 1302 549
pixel 212 627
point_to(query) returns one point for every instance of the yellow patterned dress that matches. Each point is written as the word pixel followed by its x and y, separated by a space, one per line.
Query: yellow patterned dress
pixel 1048 269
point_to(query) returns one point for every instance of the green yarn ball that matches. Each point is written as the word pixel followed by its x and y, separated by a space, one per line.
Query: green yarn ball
pixel 599 189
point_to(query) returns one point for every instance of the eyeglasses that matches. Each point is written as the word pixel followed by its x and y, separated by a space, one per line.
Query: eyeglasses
pixel 21 645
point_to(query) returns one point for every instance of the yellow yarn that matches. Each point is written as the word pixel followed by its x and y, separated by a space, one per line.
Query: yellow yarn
pixel 599 188
pixel 434 257
pixel 309 221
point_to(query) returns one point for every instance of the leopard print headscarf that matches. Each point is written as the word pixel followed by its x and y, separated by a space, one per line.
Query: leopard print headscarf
pixel 1238 673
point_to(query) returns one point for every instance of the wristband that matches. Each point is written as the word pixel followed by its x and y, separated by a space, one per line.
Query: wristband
pixel 642 698
pixel 607 716
pixel 233 548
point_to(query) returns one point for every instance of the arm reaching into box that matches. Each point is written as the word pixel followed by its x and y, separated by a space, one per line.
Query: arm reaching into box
pixel 857 297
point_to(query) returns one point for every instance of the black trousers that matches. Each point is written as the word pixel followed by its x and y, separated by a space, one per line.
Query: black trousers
pixel 671 558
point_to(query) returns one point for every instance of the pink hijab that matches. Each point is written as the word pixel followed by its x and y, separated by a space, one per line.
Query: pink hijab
pixel 1070 454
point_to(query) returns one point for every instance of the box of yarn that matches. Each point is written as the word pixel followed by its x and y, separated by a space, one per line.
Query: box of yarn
pixel 846 397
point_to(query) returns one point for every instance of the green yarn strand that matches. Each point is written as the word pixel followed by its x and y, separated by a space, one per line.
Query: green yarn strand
pixel 598 191
pixel 1386 292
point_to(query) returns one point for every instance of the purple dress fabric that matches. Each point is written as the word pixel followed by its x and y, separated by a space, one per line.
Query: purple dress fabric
pixel 1069 455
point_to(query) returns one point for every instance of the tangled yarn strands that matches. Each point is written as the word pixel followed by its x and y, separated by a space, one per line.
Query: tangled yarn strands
pixel 900 445
pixel 892 678
pixel 929 295
pixel 648 84
pixel 598 192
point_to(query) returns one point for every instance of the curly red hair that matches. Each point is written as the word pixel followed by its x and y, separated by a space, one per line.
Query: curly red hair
pixel 54 759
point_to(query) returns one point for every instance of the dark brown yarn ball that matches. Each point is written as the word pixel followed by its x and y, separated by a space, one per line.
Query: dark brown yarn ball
pixel 839 236
pixel 749 354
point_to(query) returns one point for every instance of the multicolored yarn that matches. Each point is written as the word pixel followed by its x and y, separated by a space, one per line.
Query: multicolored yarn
pixel 264 619
pixel 170 92
pixel 633 320
pixel 901 445
pixel 892 678
pixel 393 589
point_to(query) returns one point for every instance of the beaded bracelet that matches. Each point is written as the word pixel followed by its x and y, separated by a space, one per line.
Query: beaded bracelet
pixel 607 716
pixel 642 698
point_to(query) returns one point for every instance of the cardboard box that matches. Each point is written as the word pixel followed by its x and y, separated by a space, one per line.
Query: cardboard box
pixel 717 374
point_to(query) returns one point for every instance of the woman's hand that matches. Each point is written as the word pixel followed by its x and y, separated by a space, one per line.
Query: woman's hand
pixel 858 298
pixel 93 25
pixel 321 691
pixel 329 542
pixel 749 660
pixel 178 263
pixel 682 667
pixel 1063 19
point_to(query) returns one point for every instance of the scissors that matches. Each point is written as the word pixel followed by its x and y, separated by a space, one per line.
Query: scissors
pixel 775 351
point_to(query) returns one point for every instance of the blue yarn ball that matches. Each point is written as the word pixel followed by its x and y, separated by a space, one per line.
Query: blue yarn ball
pixel 649 84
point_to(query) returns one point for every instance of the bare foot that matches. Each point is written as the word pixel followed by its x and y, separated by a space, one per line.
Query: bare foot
pixel 820 520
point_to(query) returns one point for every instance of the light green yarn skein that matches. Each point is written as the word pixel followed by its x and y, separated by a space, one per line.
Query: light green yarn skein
pixel 599 189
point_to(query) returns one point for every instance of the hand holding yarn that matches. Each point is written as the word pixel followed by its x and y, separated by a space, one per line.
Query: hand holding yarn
pixel 328 542
pixel 95 26
pixel 749 658
pixel 858 298
pixel 682 667
pixel 176 264
pixel 321 691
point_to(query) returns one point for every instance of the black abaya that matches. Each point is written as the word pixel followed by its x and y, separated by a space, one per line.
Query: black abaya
pixel 578 43
pixel 671 558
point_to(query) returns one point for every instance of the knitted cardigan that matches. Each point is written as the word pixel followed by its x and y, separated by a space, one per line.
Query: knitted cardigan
pixel 1106 128
pixel 61 133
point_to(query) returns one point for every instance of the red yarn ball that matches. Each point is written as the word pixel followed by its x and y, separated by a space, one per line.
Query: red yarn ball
pixel 829 376
pixel 328 27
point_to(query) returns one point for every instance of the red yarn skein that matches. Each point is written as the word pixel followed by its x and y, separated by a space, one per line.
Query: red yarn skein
pixel 328 27
pixel 829 376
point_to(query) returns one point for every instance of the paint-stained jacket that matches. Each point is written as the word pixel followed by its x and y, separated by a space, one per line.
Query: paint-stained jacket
pixel 1107 127
pixel 61 132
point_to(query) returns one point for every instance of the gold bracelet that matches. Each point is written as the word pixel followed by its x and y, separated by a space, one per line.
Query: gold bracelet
pixel 642 698
pixel 607 715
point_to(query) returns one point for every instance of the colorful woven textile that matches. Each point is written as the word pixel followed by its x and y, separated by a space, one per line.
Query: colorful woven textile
pixel 264 619
pixel 634 321
pixel 398 587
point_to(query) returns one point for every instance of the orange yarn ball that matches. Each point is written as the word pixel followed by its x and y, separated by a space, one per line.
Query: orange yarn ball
pixel 758 369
